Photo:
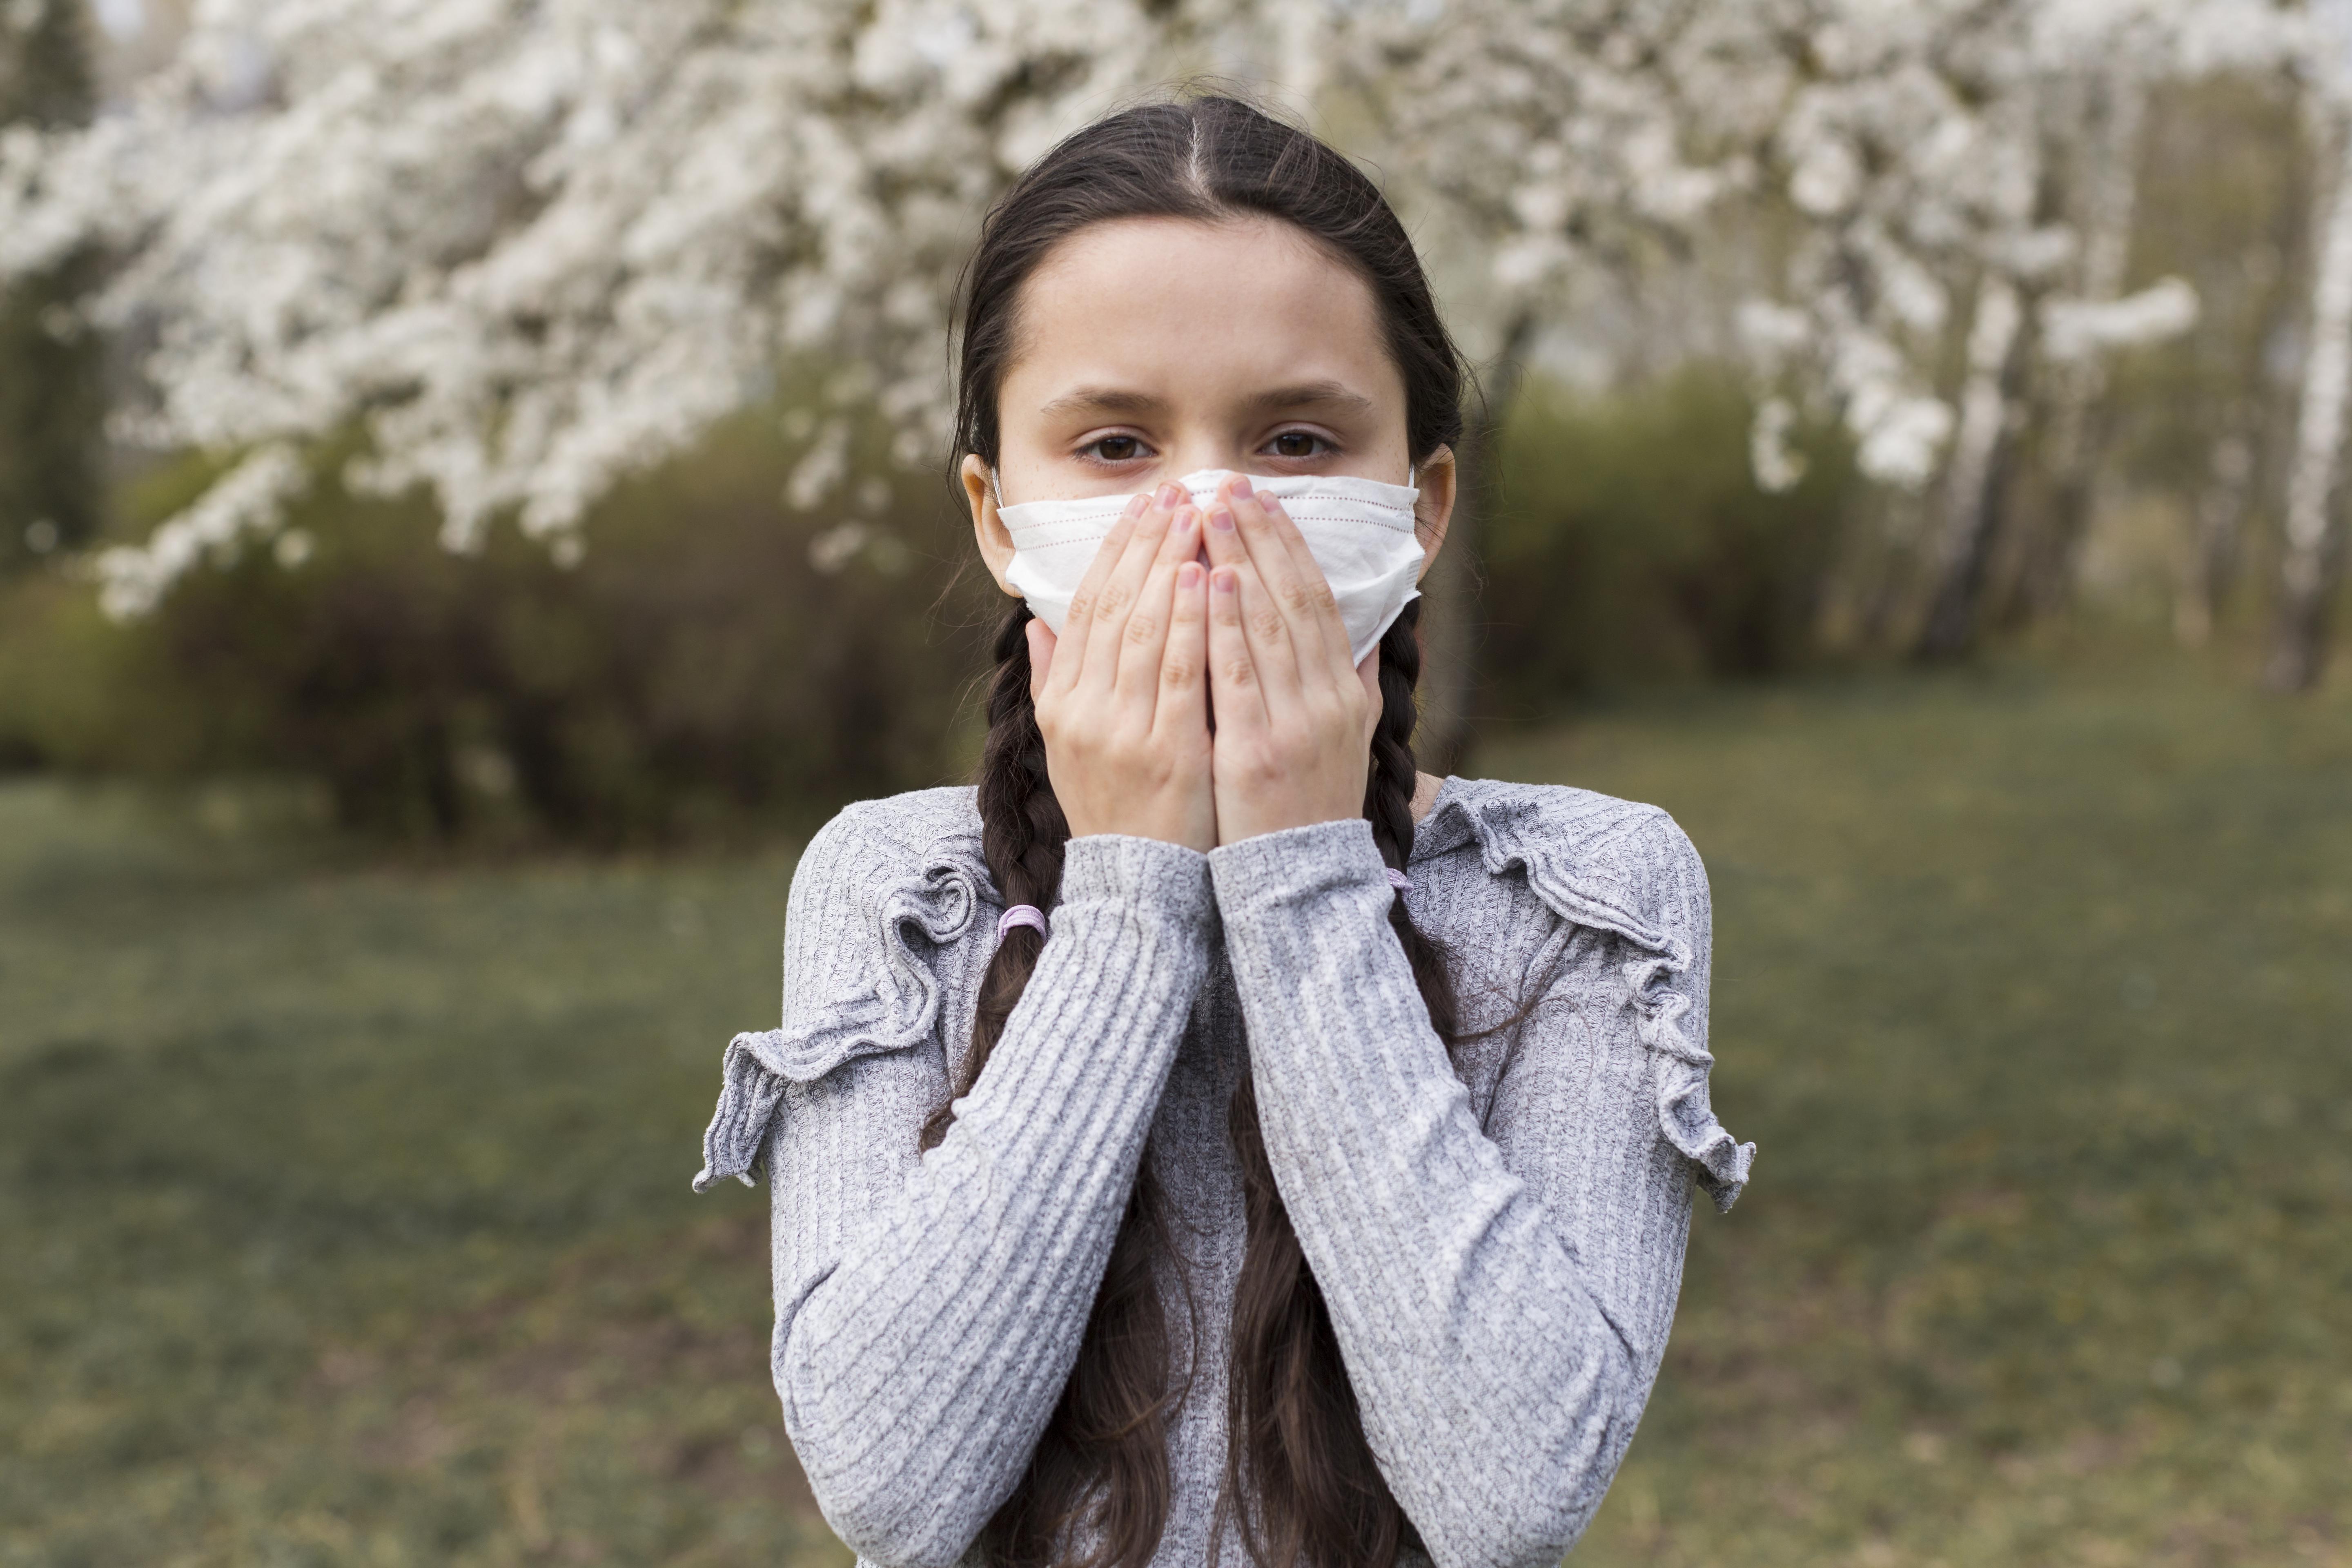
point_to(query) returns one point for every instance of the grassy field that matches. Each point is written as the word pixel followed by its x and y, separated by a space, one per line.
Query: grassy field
pixel 343 1208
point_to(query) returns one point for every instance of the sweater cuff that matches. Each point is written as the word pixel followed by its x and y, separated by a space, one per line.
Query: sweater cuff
pixel 1293 864
pixel 1150 875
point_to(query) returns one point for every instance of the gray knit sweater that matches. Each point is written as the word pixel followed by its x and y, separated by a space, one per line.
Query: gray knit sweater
pixel 1499 1235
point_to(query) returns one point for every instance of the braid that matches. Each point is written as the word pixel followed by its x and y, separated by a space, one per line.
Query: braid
pixel 1297 1444
pixel 1021 835
pixel 1103 1456
pixel 1388 801
pixel 1389 788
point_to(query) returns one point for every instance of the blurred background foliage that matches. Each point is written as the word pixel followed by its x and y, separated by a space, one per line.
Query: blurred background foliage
pixel 783 620
pixel 706 665
pixel 1632 543
pixel 52 371
pixel 717 660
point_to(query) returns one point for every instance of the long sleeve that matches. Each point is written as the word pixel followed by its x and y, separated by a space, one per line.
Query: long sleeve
pixel 929 1308
pixel 1501 1295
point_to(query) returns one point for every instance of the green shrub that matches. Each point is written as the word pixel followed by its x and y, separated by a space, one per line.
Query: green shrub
pixel 63 673
pixel 1632 541
pixel 712 658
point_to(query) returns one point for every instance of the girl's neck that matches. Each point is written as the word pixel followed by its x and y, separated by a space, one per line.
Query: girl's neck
pixel 1424 795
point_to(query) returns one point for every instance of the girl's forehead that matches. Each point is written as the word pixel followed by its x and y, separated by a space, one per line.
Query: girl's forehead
pixel 1179 302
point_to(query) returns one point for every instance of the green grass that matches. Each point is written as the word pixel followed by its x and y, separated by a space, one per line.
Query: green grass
pixel 2038 997
pixel 345 1212
pixel 344 1209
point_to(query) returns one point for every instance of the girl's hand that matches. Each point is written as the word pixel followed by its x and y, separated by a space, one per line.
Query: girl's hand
pixel 1122 694
pixel 1294 714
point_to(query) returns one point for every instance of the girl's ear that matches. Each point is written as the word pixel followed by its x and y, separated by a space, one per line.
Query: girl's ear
pixel 1431 514
pixel 987 528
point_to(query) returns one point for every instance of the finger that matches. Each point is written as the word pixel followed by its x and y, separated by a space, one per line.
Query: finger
pixel 1281 588
pixel 1291 574
pixel 1262 625
pixel 1282 673
pixel 1181 702
pixel 1114 599
pixel 1071 661
pixel 1233 684
pixel 1145 639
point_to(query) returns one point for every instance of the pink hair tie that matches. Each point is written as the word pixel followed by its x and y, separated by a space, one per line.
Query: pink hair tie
pixel 1399 880
pixel 1020 915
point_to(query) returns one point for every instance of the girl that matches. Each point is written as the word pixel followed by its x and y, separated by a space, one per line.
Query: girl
pixel 1210 1134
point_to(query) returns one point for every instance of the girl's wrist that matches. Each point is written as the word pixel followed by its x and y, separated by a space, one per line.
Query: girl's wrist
pixel 1137 871
pixel 1199 840
pixel 1249 832
pixel 1284 863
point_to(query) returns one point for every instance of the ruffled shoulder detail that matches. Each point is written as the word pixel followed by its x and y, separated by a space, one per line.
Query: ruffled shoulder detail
pixel 1617 866
pixel 878 890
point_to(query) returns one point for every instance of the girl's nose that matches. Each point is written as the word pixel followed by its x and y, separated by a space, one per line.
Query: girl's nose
pixel 1197 457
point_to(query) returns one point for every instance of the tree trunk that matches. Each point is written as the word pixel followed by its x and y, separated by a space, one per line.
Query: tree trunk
pixel 2212 555
pixel 2078 426
pixel 1902 519
pixel 1449 623
pixel 2307 569
pixel 1977 477
pixel 1301 37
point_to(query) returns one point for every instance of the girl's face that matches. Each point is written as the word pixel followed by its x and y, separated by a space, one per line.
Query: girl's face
pixel 1150 348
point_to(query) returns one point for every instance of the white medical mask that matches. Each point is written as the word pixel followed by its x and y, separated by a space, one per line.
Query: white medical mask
pixel 1359 531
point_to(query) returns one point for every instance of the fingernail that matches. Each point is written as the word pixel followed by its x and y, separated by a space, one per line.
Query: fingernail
pixel 1169 495
pixel 1221 518
pixel 1188 576
pixel 1136 506
pixel 1223 579
pixel 1242 490
pixel 1186 518
pixel 1272 504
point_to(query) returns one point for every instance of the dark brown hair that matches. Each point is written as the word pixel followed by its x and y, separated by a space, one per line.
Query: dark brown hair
pixel 1301 1484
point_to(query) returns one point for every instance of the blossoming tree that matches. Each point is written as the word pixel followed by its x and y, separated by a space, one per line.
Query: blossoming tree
pixel 533 248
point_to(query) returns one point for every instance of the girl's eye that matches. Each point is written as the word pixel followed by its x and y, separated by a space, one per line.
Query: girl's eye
pixel 1114 448
pixel 1298 444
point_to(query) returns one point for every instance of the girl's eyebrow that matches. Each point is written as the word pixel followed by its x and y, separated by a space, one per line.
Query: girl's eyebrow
pixel 1119 400
pixel 1102 400
pixel 1311 394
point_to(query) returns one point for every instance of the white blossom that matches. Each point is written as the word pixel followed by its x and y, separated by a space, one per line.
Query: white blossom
pixel 1776 465
pixel 242 503
pixel 2078 329
pixel 532 246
